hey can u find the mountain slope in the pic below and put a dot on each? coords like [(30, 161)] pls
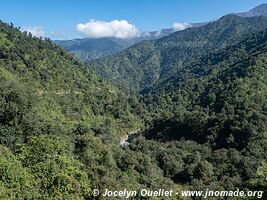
[(60, 126), (220, 98), (63, 92), (210, 119), (142, 65), (60, 123), (260, 10), (93, 48)]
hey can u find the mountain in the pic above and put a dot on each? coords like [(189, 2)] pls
[(260, 10), (216, 95), (203, 127), (60, 125), (55, 76), (218, 101), (93, 48), (144, 64)]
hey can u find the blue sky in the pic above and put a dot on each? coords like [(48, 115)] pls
[(59, 18)]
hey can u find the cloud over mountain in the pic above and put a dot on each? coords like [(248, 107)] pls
[(178, 26), (37, 31), (114, 28)]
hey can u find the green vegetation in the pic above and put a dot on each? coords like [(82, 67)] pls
[(49, 91), (214, 112), (144, 64), (60, 125), (204, 126), (92, 48)]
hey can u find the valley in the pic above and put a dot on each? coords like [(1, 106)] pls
[(184, 111)]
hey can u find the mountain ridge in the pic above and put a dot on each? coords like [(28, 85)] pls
[(142, 65), (260, 10), (92, 48), (202, 127), (207, 98)]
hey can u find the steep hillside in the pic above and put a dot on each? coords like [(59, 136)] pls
[(260, 10), (214, 112), (60, 126), (92, 48), (231, 81), (63, 91), (140, 66)]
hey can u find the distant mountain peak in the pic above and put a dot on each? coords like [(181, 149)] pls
[(260, 10)]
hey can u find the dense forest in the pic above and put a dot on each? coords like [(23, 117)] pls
[(60, 124), (142, 65), (201, 115), (218, 103), (92, 48)]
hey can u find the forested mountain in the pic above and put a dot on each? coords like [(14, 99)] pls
[(65, 91), (142, 65), (227, 82), (215, 109), (201, 121), (60, 125), (260, 10), (93, 48)]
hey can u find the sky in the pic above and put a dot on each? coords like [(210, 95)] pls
[(67, 19)]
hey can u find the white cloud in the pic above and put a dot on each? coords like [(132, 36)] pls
[(178, 26), (115, 28), (158, 33), (37, 31)]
